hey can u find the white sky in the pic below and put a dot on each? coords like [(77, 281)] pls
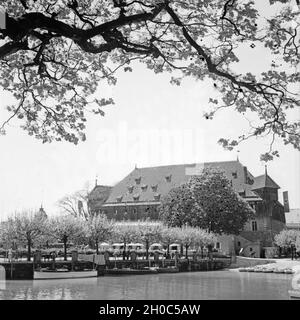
[(152, 123)]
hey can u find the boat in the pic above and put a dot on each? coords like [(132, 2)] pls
[(267, 270), (288, 271), (168, 270), (63, 274), (294, 294), (129, 271), (278, 270)]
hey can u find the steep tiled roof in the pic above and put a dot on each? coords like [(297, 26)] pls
[(264, 181), (99, 192), (168, 177)]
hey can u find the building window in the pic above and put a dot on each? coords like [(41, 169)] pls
[(239, 243), (154, 187), (234, 175), (119, 198), (168, 178), (134, 211), (138, 180), (144, 187), (136, 197), (254, 225), (218, 245), (157, 197), (250, 249)]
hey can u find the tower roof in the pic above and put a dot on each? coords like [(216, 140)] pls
[(264, 181)]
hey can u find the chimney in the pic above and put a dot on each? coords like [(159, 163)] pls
[(286, 201)]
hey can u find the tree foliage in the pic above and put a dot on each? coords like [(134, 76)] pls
[(66, 228), (206, 201), (196, 237), (54, 54), (99, 229), (287, 238), (75, 204), (149, 232), (26, 228), (125, 232)]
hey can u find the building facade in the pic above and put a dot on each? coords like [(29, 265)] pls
[(292, 218), (139, 194)]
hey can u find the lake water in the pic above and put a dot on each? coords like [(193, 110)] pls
[(223, 284)]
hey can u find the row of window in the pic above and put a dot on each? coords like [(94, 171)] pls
[(139, 179), (136, 197), (144, 188)]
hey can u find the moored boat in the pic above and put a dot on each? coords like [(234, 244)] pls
[(64, 274), (128, 271), (168, 270), (294, 294), (278, 270), (267, 270), (288, 271)]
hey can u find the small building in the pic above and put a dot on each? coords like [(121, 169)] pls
[(293, 219)]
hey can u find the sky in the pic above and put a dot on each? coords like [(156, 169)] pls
[(152, 123)]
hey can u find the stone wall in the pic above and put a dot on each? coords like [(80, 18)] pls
[(18, 270), (249, 262), (24, 270), (183, 264)]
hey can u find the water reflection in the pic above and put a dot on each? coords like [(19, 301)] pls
[(197, 285)]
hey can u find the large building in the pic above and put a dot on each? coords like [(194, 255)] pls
[(139, 194)]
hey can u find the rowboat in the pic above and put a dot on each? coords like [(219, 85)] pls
[(168, 270), (267, 270), (63, 274), (128, 271)]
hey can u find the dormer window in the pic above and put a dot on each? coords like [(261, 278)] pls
[(249, 180), (130, 189), (119, 198), (154, 187), (157, 197), (138, 180), (144, 187), (136, 197), (234, 175), (252, 205), (168, 178)]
